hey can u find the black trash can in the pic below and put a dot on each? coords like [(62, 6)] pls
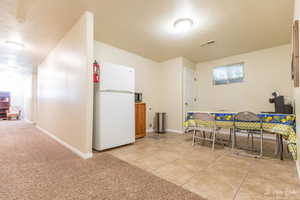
[(160, 122)]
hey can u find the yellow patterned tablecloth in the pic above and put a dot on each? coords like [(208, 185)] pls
[(282, 124)]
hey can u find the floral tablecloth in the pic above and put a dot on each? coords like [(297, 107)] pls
[(283, 124)]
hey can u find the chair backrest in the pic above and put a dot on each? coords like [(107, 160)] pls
[(247, 117), (204, 119), (14, 109)]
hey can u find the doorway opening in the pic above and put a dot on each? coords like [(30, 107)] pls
[(15, 94)]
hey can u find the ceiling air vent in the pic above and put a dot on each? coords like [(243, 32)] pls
[(209, 42)]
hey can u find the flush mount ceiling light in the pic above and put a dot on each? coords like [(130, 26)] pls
[(14, 45), (183, 25)]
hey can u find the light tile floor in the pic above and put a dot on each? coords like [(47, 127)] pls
[(218, 175)]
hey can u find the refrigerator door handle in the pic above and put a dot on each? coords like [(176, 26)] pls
[(118, 91)]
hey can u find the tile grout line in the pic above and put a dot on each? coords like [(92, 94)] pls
[(181, 185), (239, 188), (201, 170), (216, 160)]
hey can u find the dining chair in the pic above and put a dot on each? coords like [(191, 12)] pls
[(225, 122), (13, 112), (205, 123), (250, 123)]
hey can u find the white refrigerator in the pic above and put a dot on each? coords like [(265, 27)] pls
[(114, 107)]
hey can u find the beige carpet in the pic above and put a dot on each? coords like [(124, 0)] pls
[(33, 166)]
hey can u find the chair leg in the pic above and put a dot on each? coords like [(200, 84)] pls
[(261, 142), (230, 132), (233, 139), (281, 147), (193, 143), (252, 142), (214, 140), (204, 137), (248, 138), (277, 145)]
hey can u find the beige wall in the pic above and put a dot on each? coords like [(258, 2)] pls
[(297, 93), (34, 97), (65, 88), (171, 72), (147, 79), (160, 83), (30, 101), (265, 70), (28, 98), (188, 63)]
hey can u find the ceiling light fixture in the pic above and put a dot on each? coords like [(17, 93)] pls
[(183, 25), (14, 45)]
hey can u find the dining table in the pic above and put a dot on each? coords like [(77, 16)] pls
[(283, 125)]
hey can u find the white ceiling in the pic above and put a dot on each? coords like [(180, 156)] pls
[(238, 26), (146, 27), (38, 24)]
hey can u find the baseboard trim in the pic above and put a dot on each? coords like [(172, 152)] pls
[(298, 169), (175, 131), (30, 122), (71, 148), (167, 130), (150, 130)]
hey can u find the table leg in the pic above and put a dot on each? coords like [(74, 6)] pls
[(233, 139), (277, 145), (281, 147), (229, 140)]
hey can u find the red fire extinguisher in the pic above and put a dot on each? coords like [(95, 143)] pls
[(96, 69)]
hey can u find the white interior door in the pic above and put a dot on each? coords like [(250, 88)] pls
[(190, 96)]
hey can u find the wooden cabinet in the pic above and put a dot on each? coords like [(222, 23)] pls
[(140, 120)]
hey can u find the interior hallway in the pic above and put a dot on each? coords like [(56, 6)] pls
[(34, 167)]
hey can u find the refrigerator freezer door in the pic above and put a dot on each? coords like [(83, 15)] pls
[(114, 120), (116, 78)]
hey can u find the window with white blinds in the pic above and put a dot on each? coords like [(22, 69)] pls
[(233, 73)]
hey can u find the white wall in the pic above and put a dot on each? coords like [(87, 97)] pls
[(34, 97), (28, 98), (30, 103), (188, 63), (252, 94), (172, 94), (297, 94), (160, 83), (65, 88), (265, 70), (147, 73)]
